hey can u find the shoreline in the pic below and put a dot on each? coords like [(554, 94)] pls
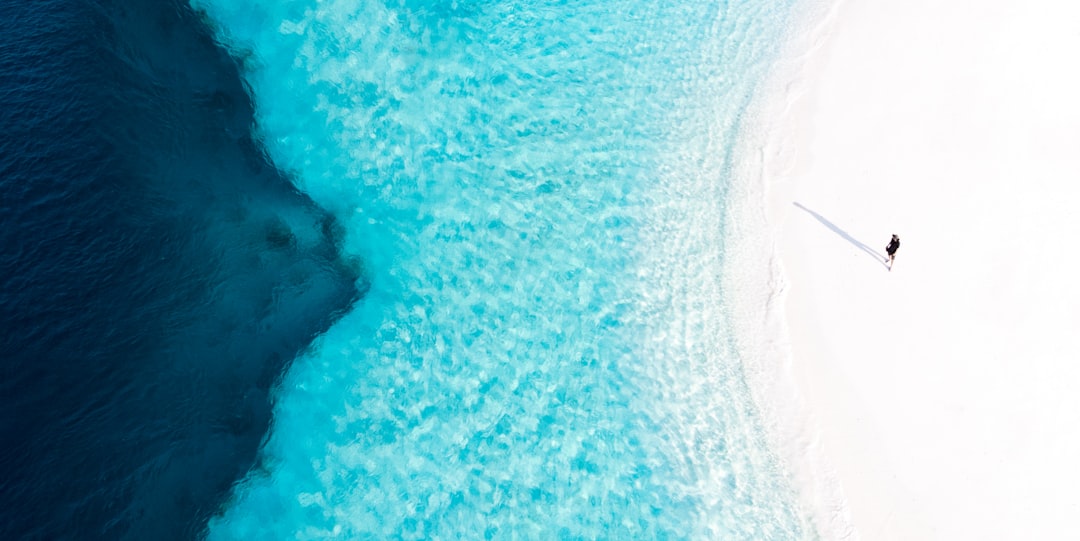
[(760, 317), (932, 401)]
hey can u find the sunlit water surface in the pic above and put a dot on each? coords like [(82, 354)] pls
[(538, 191)]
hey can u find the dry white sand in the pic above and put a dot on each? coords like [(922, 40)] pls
[(940, 400)]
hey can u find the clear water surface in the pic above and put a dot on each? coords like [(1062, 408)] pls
[(537, 189)]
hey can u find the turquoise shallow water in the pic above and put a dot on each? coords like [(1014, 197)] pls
[(537, 189)]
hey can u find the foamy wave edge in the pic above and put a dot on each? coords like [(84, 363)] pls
[(756, 276)]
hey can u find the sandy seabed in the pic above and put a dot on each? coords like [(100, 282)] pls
[(938, 399)]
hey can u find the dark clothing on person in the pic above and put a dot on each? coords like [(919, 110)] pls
[(894, 244)]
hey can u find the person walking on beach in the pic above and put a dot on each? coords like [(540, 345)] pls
[(894, 244)]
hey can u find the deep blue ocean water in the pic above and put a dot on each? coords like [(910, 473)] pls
[(311, 269), (157, 274)]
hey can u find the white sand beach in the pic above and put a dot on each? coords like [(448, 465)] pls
[(940, 400)]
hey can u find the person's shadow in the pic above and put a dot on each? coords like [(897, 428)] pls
[(876, 255)]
